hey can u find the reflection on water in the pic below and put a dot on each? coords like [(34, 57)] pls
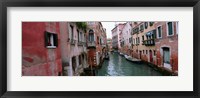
[(119, 66)]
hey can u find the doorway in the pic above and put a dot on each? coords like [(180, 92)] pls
[(166, 57), (74, 63), (140, 54), (150, 56)]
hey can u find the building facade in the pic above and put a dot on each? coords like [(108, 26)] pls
[(143, 42), (96, 43), (155, 43), (167, 45), (73, 48), (41, 53), (126, 38), (116, 37)]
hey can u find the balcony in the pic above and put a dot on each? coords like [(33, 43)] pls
[(135, 31), (73, 42), (91, 44), (80, 43), (149, 42)]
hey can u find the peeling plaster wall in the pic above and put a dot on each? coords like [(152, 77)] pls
[(95, 54), (37, 60), (69, 50)]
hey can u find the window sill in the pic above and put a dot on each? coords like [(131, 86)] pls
[(170, 35), (51, 47)]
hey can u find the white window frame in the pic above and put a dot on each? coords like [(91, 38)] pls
[(80, 37), (158, 32), (168, 30), (71, 30), (51, 41)]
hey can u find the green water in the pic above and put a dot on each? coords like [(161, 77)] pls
[(119, 66)]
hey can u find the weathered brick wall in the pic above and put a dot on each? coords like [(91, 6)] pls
[(168, 41)]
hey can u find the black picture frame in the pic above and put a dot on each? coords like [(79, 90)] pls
[(100, 3)]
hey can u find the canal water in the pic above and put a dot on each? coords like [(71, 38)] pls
[(119, 66)]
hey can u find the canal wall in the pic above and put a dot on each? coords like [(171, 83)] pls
[(92, 70), (164, 71)]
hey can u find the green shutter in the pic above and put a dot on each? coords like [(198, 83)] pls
[(154, 34), (159, 31), (170, 28), (55, 38), (46, 38)]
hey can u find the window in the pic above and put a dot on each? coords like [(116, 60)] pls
[(91, 35), (80, 60), (141, 27), (170, 28), (73, 63), (159, 30), (100, 41), (138, 39), (51, 40), (71, 31), (146, 52), (143, 51), (81, 37), (130, 40), (146, 25), (136, 30), (151, 23), (78, 35), (143, 38)]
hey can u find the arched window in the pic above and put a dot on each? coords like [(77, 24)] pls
[(91, 35), (91, 31)]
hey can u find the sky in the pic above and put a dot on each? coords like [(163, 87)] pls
[(109, 26)]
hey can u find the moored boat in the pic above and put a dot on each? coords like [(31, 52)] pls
[(107, 56), (121, 54), (129, 58)]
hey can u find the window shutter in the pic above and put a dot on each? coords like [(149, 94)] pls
[(154, 33), (170, 28), (55, 39), (46, 38)]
